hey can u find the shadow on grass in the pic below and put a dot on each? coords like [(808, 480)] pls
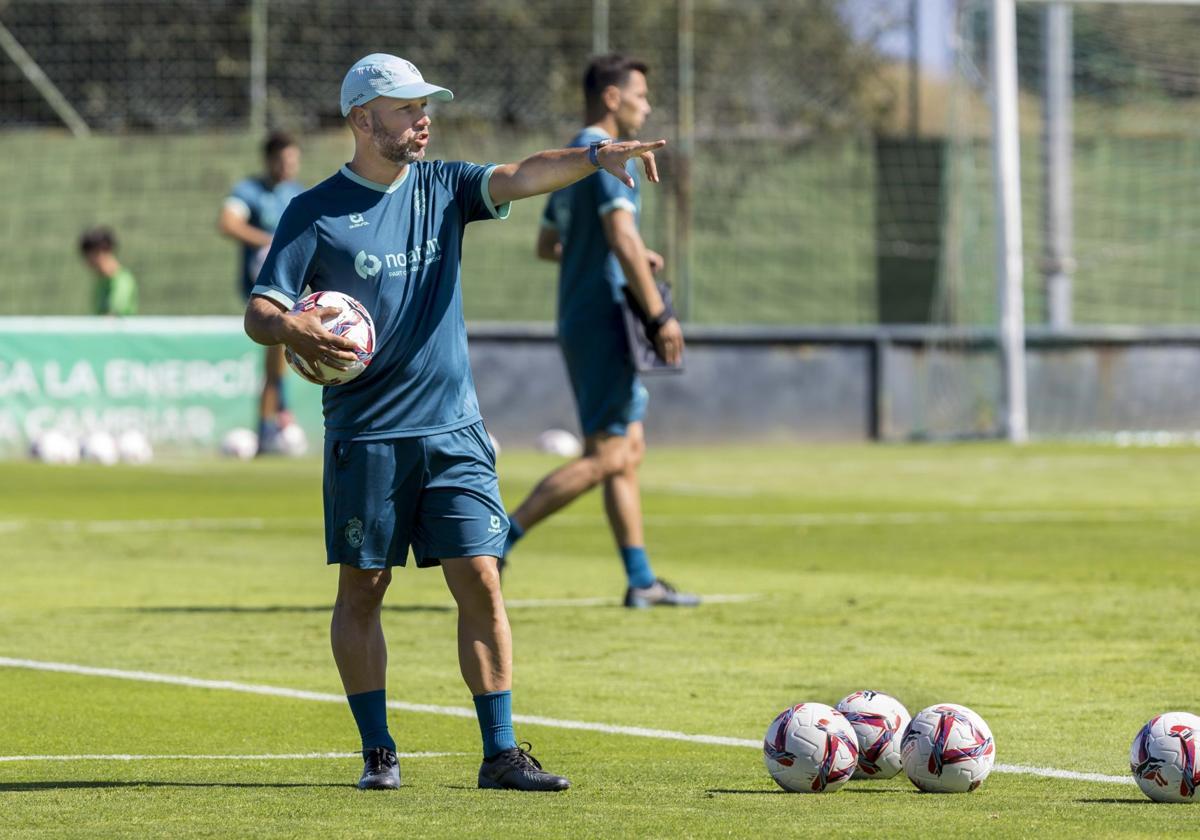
[(1112, 800), (11, 787), (282, 608), (894, 791)]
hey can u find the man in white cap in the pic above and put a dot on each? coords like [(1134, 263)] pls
[(407, 460)]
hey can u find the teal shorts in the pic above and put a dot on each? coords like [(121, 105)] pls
[(609, 395), (438, 494)]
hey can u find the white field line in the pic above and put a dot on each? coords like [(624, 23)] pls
[(455, 711), (1054, 773), (525, 603), (733, 520), (272, 757)]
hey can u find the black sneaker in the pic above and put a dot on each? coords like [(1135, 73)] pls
[(659, 594), (516, 769), (381, 770)]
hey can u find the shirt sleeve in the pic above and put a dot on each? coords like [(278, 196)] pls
[(242, 199), (290, 262), (612, 195), (469, 181), (122, 294)]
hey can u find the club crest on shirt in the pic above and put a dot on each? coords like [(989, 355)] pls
[(354, 533)]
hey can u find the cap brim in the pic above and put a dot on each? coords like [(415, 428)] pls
[(419, 90)]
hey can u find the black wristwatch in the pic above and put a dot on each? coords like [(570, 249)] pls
[(593, 148), (658, 322)]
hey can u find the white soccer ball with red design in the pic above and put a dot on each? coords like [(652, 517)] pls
[(878, 721), (1163, 758), (352, 322), (948, 749), (810, 748)]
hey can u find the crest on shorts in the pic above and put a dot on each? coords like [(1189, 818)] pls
[(354, 533)]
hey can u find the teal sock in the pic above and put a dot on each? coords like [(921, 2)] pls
[(370, 713), (637, 566), (494, 711), (515, 532)]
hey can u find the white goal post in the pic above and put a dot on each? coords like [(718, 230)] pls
[(1057, 154)]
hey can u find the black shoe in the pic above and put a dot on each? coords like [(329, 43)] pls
[(516, 769), (381, 770), (659, 594)]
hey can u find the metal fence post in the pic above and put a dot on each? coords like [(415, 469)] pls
[(684, 153), (258, 67), (599, 27)]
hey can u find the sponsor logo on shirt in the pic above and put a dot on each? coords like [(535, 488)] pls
[(367, 265), (399, 263), (406, 262), (494, 526), (357, 221)]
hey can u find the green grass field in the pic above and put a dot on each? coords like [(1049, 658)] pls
[(1051, 589)]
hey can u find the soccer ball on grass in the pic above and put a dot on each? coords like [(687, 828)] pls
[(879, 721), (947, 749), (810, 748), (1163, 757)]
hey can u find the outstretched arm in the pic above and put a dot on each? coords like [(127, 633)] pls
[(554, 169)]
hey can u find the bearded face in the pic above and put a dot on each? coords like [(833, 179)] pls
[(395, 149)]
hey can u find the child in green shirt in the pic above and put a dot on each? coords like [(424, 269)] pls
[(116, 290)]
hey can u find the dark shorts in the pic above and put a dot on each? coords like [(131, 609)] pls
[(438, 494), (609, 395)]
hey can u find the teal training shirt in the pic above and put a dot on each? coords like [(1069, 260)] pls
[(590, 278), (263, 204), (398, 250)]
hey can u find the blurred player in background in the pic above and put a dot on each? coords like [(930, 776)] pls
[(116, 291), (407, 460), (591, 229), (249, 216)]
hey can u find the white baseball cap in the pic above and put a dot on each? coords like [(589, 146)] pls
[(380, 74)]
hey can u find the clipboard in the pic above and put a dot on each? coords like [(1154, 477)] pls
[(641, 349)]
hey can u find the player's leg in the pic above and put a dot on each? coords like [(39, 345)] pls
[(600, 382), (359, 649), (270, 401), (485, 658), (364, 537), (484, 643), (604, 454), (623, 505), (622, 495), (461, 524)]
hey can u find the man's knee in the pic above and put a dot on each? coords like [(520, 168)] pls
[(475, 583), (637, 452), (362, 590), (610, 456)]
